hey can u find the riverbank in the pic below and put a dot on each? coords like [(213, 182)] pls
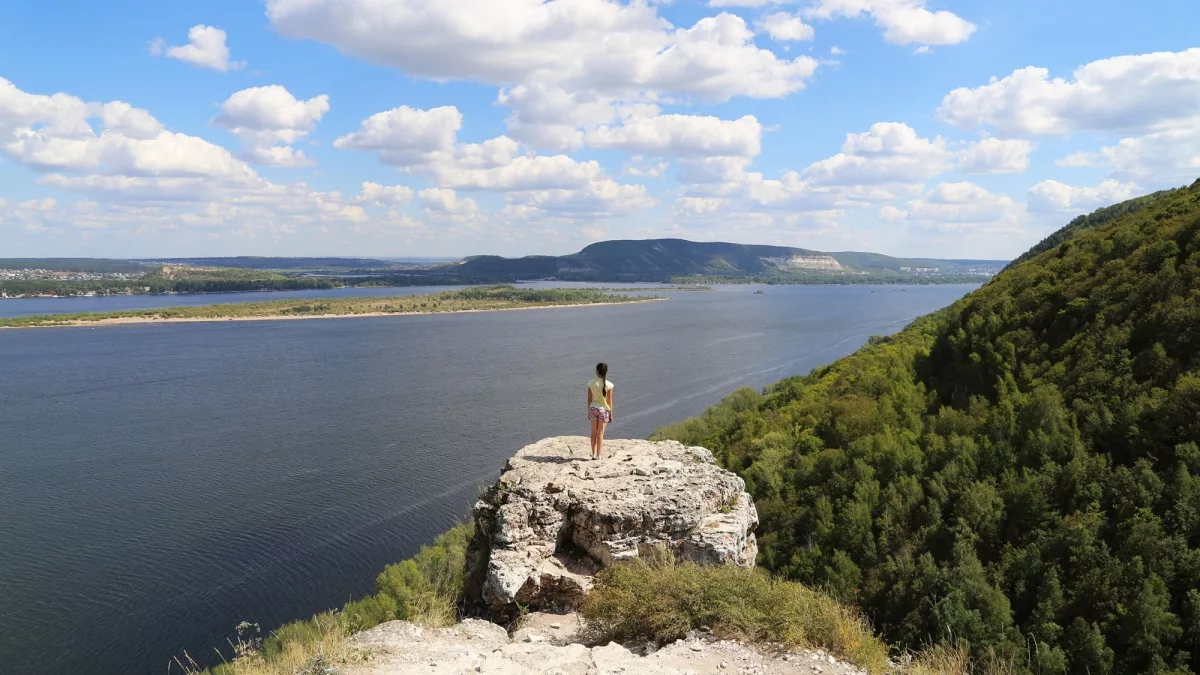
[(485, 299)]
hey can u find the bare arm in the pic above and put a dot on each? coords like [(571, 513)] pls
[(608, 396), (589, 397)]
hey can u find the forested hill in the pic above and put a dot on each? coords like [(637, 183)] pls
[(682, 260), (1019, 470)]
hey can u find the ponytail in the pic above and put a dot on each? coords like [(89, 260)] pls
[(602, 371)]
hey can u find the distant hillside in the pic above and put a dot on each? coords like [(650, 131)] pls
[(678, 259), (94, 265)]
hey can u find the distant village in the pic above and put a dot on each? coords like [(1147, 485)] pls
[(38, 274)]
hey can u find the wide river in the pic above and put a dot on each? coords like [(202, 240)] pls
[(160, 483)]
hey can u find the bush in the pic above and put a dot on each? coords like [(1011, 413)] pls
[(661, 601)]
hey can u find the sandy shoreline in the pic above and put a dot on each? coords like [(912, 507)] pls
[(131, 320)]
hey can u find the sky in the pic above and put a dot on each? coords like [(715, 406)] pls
[(939, 128)]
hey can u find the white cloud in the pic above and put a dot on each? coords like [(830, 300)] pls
[(1145, 92), (1157, 159), (1079, 159), (541, 172), (964, 206), (890, 152), (385, 195), (139, 177), (903, 21), (887, 162), (743, 3), (1051, 195), (56, 133), (682, 136), (836, 51), (784, 27), (601, 198), (892, 213), (447, 202), (424, 142), (268, 120), (602, 46), (206, 48), (405, 136), (563, 66), (993, 155), (638, 166)]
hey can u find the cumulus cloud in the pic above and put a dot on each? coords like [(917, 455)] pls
[(784, 27), (682, 136), (1149, 101), (205, 48), (886, 162), (964, 206), (446, 203), (268, 120), (385, 195), (1079, 159), (407, 137), (56, 133), (1051, 195), (1159, 158), (638, 166), (890, 152), (903, 22), (994, 155), (1137, 93), (425, 142), (138, 176), (563, 66)]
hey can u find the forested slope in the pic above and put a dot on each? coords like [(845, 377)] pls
[(1019, 470)]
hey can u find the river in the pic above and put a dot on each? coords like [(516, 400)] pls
[(160, 483)]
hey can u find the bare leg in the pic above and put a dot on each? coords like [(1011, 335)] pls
[(600, 426), (595, 436)]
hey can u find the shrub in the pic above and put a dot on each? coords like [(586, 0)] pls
[(661, 600)]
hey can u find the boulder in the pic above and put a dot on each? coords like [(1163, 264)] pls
[(556, 517)]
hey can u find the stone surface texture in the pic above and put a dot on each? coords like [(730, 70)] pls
[(473, 646), (556, 517)]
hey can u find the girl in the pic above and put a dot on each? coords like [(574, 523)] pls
[(600, 392)]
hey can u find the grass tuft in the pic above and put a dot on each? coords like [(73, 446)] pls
[(661, 600)]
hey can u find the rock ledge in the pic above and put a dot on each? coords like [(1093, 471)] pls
[(556, 517)]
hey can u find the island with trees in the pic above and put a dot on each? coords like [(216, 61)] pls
[(475, 299)]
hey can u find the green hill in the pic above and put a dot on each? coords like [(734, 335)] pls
[(679, 260), (1019, 471)]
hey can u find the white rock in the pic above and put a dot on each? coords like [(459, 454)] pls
[(544, 531)]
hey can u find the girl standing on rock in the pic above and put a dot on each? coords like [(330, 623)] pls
[(600, 396)]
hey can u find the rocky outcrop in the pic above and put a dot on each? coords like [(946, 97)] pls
[(539, 648), (556, 517)]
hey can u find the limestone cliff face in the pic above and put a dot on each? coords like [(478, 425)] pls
[(556, 517)]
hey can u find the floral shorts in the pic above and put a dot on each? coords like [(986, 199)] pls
[(600, 414)]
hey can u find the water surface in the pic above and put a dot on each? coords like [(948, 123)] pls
[(160, 483)]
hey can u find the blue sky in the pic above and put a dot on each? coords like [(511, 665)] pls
[(453, 127)]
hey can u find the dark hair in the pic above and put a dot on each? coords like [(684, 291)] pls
[(602, 371)]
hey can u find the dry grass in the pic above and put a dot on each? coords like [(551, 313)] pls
[(662, 600)]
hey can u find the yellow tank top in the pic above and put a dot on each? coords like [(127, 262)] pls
[(599, 400)]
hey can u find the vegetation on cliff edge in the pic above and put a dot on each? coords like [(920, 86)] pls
[(424, 589)]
